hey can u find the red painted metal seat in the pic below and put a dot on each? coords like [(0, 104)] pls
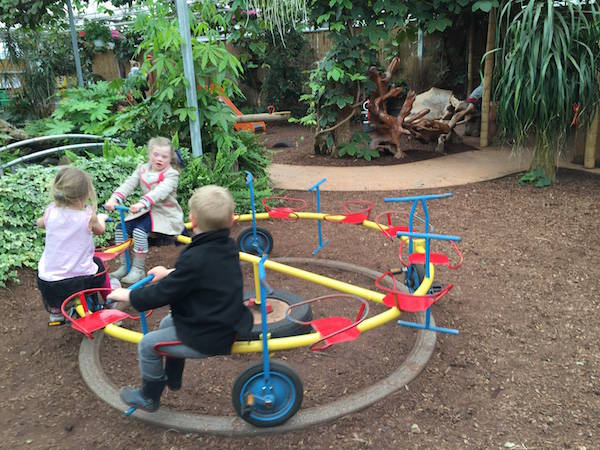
[(335, 329), (405, 301), (388, 229), (355, 212), (111, 252), (158, 347), (287, 209), (93, 321), (434, 258)]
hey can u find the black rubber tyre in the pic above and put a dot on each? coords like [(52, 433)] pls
[(287, 390), (246, 243), (414, 276), (284, 327)]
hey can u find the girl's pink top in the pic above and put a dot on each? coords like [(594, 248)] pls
[(69, 249)]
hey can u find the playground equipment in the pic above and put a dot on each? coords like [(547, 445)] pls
[(269, 393)]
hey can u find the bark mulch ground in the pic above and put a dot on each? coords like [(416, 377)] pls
[(523, 373)]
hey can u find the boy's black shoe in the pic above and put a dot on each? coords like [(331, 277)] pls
[(174, 372), (146, 398)]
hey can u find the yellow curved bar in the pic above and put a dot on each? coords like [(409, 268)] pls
[(123, 334), (290, 342), (315, 278), (118, 248)]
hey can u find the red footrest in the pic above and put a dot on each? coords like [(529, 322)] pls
[(329, 328)]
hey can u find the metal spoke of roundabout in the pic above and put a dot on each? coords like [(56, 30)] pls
[(97, 380)]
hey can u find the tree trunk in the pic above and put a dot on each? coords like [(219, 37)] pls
[(15, 133), (470, 58), (342, 134), (589, 159), (487, 79)]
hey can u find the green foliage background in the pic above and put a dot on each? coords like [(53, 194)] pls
[(24, 194)]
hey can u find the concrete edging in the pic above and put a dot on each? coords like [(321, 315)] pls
[(96, 379)]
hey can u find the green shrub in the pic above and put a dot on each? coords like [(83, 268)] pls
[(24, 196), (218, 168)]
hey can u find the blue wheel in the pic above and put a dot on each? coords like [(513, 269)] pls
[(263, 244), (267, 408)]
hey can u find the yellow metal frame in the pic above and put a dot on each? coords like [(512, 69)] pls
[(305, 340)]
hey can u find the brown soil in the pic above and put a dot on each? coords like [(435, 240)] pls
[(523, 373), (293, 144)]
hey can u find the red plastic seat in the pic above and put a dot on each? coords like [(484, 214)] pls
[(405, 301), (93, 321)]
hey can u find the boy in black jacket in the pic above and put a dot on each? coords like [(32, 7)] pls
[(205, 293)]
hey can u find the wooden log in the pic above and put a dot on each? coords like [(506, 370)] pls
[(279, 116)]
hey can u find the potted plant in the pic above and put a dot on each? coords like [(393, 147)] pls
[(97, 33)]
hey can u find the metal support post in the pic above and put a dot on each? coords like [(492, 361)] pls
[(188, 70)]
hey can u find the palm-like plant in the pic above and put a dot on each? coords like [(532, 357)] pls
[(547, 62)]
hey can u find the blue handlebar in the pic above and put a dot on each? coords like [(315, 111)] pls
[(139, 284), (439, 237), (122, 208), (418, 197), (142, 282), (317, 184)]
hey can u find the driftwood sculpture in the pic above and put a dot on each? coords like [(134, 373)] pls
[(388, 128)]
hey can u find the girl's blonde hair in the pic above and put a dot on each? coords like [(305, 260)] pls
[(160, 141), (73, 188), (212, 207)]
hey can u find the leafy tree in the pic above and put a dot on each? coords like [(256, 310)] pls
[(547, 61), (31, 13)]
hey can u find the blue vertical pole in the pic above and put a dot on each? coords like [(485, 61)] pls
[(317, 191), (124, 233), (263, 324)]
